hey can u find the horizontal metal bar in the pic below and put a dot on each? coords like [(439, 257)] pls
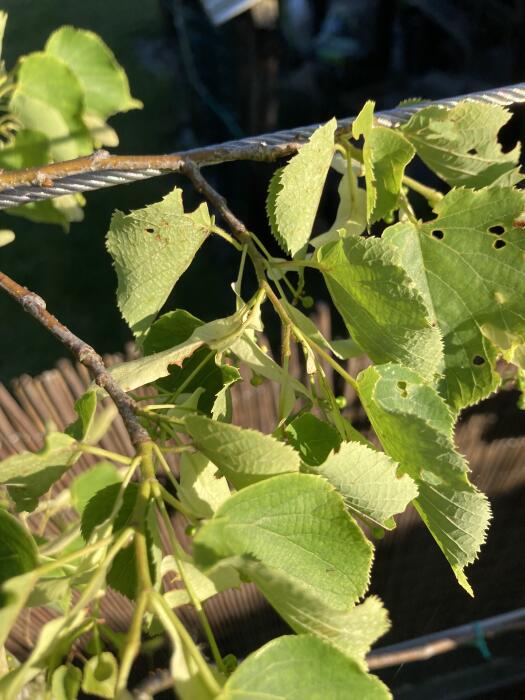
[(250, 148)]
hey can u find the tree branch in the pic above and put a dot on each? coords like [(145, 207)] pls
[(85, 354)]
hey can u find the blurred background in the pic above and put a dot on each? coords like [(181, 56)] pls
[(214, 70)]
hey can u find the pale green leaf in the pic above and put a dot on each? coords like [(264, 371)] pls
[(49, 98), (18, 552), (65, 682), (460, 144), (368, 482), (468, 266), (296, 189), (202, 585), (100, 675), (383, 311), (243, 456), (103, 80), (353, 631), (29, 475), (85, 408), (415, 426), (6, 237), (386, 153), (313, 439), (350, 219), (295, 523), (151, 248), (296, 668), (201, 488)]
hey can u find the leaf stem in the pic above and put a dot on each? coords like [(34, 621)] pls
[(432, 196), (231, 240), (172, 622), (132, 643), (99, 452), (177, 552)]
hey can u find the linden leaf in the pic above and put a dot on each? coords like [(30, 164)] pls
[(460, 144), (295, 190), (383, 311), (468, 266), (151, 248), (415, 427)]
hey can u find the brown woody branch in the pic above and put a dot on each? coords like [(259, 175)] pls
[(85, 354), (45, 175)]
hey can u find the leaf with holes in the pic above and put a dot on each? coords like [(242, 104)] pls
[(151, 248), (295, 190), (415, 426), (296, 523), (368, 482), (383, 311), (468, 266), (386, 153), (243, 456), (460, 144), (291, 668)]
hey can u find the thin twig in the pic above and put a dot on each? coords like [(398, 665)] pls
[(34, 305)]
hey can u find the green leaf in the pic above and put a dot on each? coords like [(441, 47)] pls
[(468, 266), (65, 682), (101, 505), (244, 456), (460, 144), (49, 98), (295, 190), (18, 552), (151, 248), (29, 475), (295, 668), (100, 675), (14, 594), (199, 370), (351, 218), (203, 586), (353, 631), (85, 408), (383, 311), (312, 438), (218, 335), (30, 149), (103, 80), (201, 488), (386, 153), (368, 482), (85, 486), (295, 523), (415, 427)]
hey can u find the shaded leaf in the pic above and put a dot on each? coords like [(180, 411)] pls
[(65, 682), (313, 439), (100, 675), (18, 552), (90, 482), (29, 475)]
